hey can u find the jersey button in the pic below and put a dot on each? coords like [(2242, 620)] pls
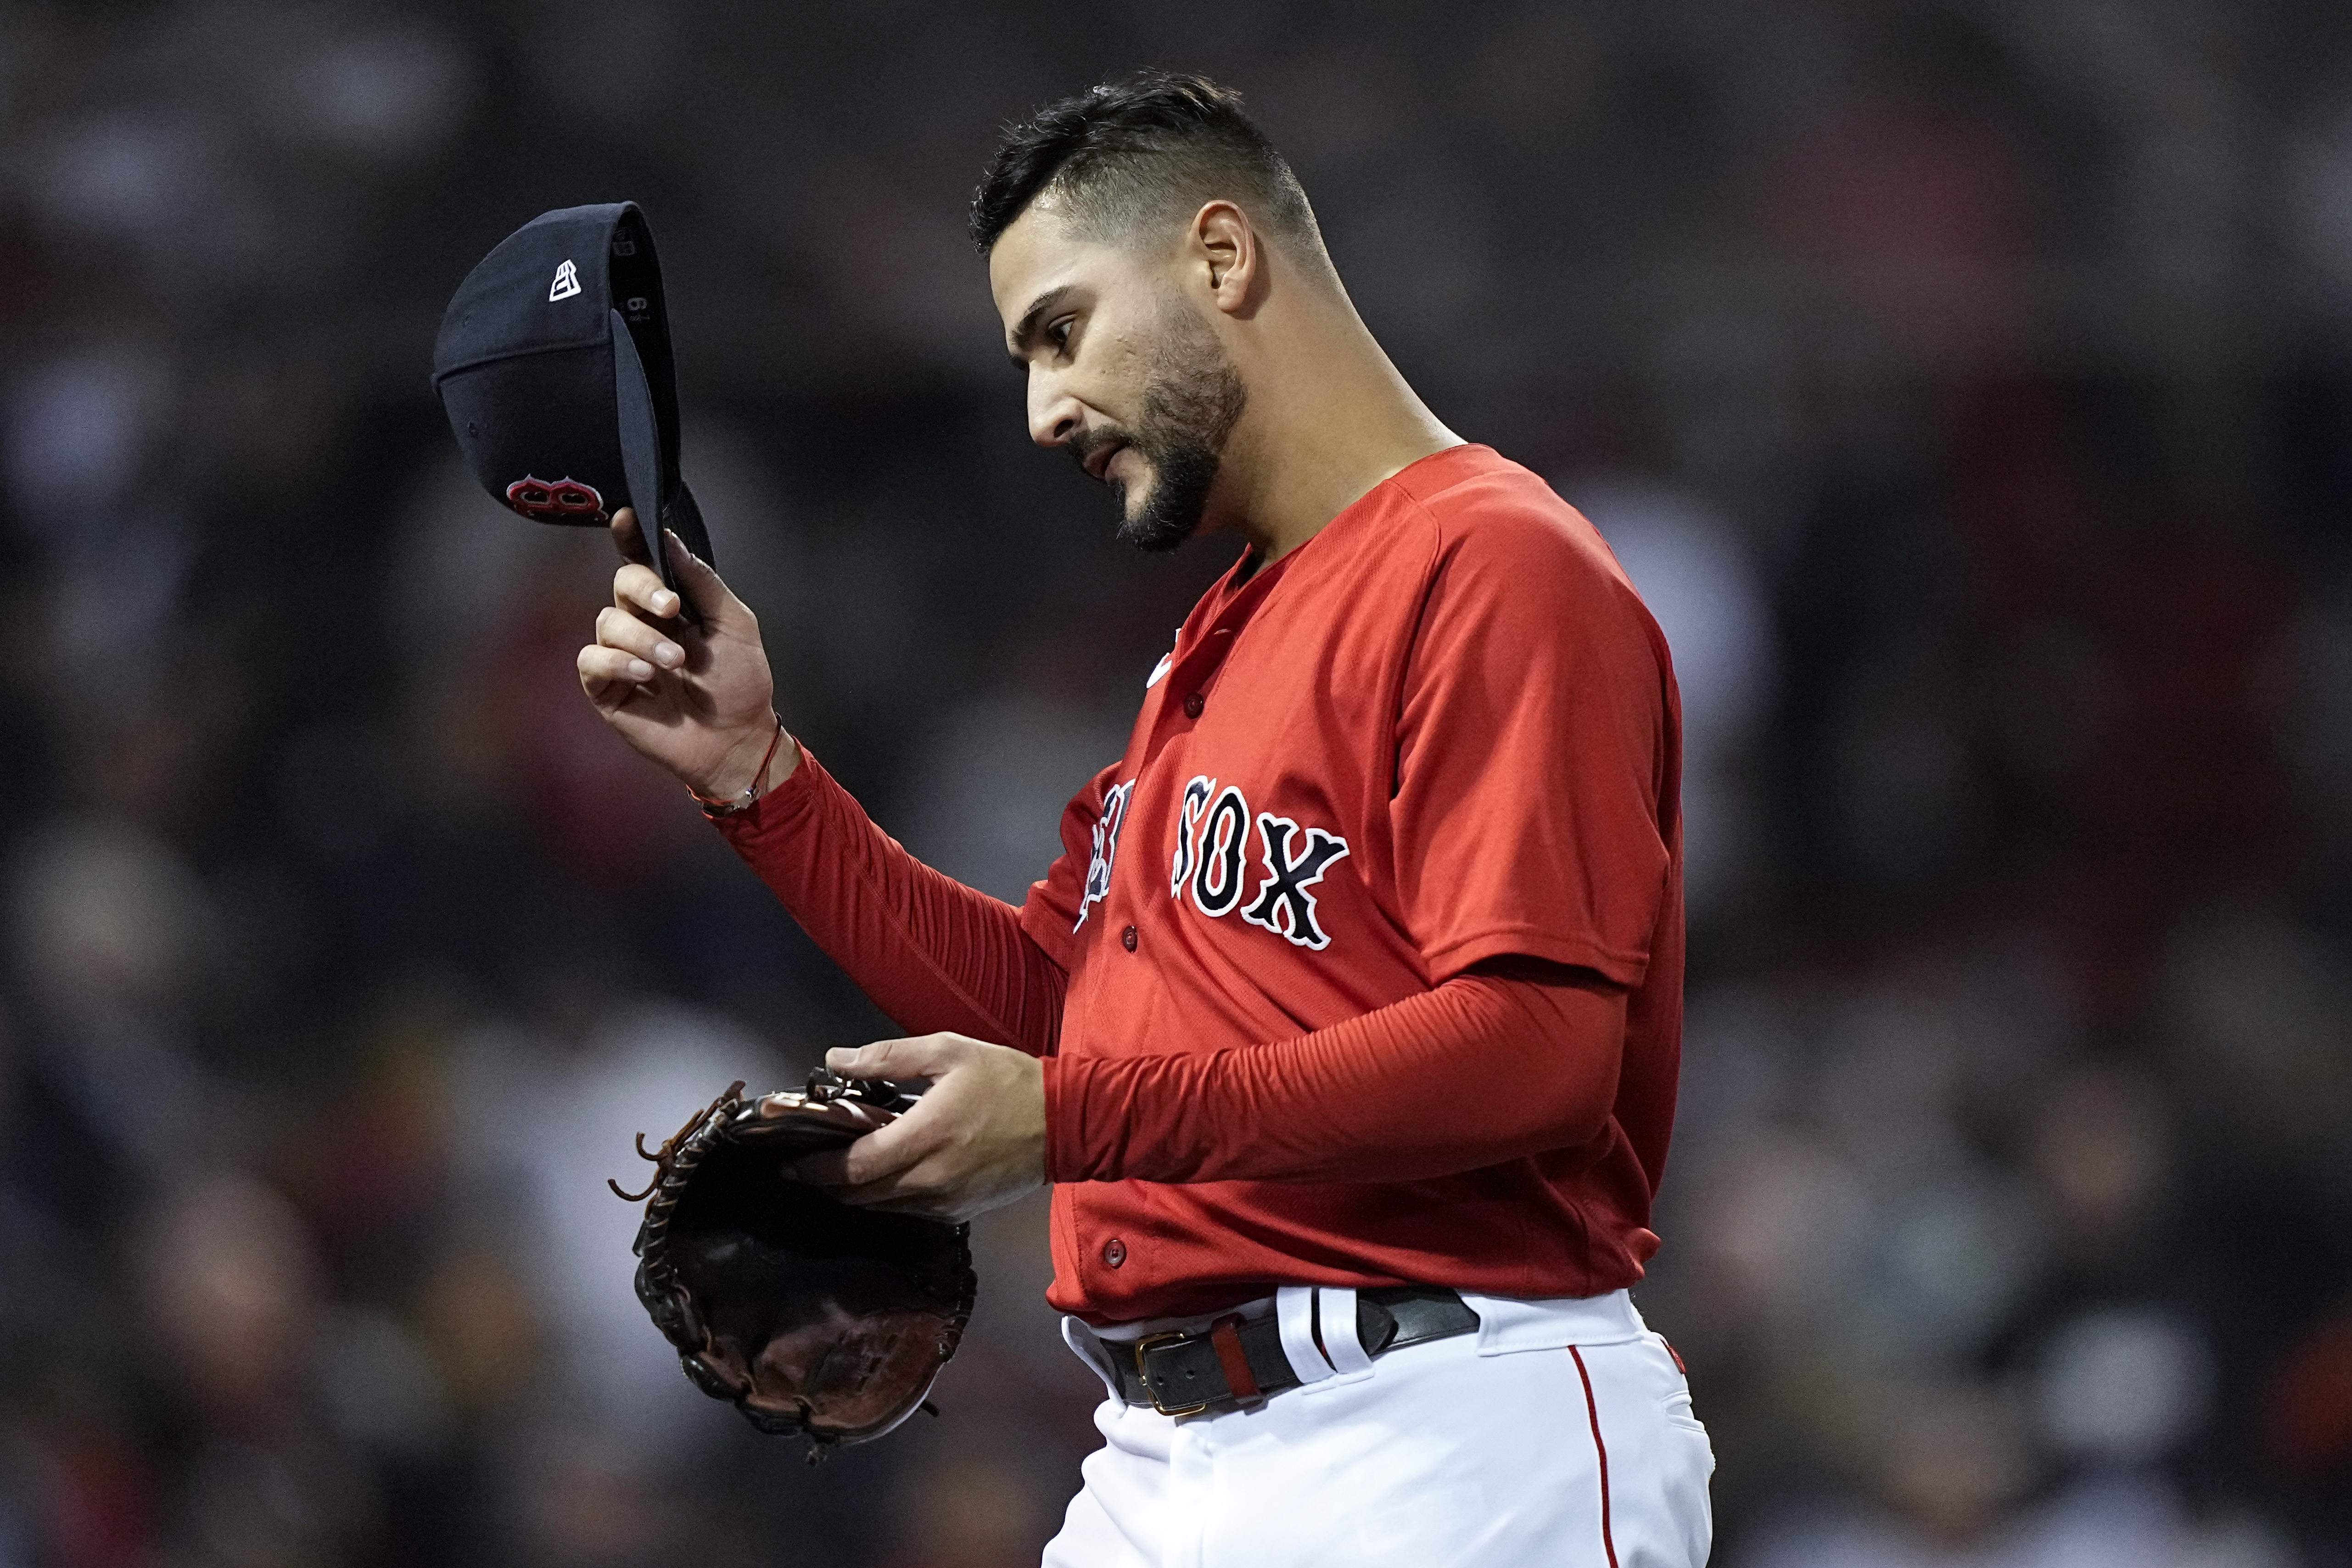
[(1114, 1252), (1193, 704), (1127, 939)]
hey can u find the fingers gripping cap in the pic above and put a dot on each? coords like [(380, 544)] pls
[(553, 364)]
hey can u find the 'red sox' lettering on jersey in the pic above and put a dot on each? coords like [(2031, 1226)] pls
[(1188, 831), (1223, 838), (1284, 905), (1105, 849), (1209, 858)]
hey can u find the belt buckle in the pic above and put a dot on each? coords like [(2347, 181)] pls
[(1143, 1375)]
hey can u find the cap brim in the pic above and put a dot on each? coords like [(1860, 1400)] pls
[(640, 447), (683, 518)]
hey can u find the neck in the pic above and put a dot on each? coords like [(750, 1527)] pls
[(1328, 418)]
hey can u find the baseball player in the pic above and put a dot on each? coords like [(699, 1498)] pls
[(1346, 1027)]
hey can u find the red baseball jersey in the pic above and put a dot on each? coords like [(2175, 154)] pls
[(1443, 730)]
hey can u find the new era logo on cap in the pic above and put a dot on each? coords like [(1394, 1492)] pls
[(566, 284)]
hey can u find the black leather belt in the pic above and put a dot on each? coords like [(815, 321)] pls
[(1236, 1364)]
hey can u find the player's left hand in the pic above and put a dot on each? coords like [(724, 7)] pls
[(975, 1140)]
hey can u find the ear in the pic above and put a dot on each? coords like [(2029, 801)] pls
[(1226, 249)]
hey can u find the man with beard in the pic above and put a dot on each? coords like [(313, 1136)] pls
[(1346, 1026)]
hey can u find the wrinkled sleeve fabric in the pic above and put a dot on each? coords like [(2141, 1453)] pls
[(1486, 1068), (1533, 748), (931, 953)]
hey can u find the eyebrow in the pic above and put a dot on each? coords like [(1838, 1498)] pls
[(1026, 330)]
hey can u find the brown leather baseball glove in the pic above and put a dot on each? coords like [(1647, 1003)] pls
[(812, 1317)]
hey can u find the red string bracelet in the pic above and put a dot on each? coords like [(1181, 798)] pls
[(716, 808)]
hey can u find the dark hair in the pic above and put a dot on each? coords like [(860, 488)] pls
[(1154, 147)]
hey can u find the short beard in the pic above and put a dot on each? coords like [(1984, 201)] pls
[(1192, 402)]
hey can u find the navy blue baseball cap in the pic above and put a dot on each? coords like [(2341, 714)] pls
[(553, 364)]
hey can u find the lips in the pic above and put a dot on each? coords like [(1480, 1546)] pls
[(1097, 462)]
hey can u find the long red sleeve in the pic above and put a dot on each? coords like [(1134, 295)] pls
[(932, 953), (1486, 1068), (1503, 1062)]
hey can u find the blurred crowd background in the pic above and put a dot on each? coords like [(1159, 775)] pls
[(1968, 386)]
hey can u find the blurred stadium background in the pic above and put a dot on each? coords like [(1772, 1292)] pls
[(1968, 386)]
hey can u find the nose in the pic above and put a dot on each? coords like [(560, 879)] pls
[(1054, 416)]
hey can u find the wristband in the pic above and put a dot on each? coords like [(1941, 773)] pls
[(714, 807)]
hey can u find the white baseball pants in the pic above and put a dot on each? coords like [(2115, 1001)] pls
[(1560, 1434)]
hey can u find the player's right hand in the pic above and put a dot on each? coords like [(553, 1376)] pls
[(699, 700)]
